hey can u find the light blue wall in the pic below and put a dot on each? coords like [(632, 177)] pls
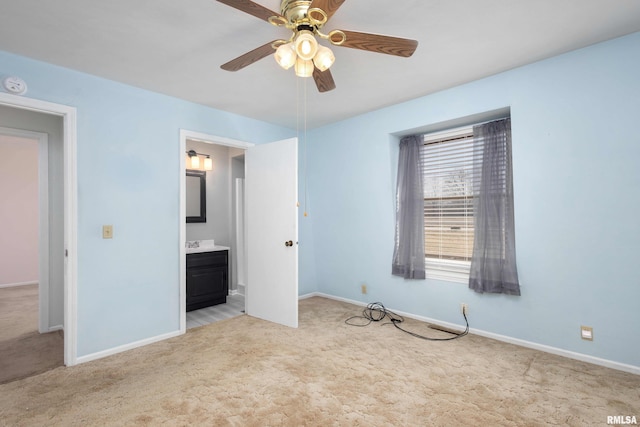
[(576, 154), (576, 183), (128, 176)]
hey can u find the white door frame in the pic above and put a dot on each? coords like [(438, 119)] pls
[(43, 220), (69, 119), (211, 139)]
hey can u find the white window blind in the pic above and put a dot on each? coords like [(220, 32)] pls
[(447, 162)]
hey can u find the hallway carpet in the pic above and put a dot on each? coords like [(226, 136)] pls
[(23, 350)]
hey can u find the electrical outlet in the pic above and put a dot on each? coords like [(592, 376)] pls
[(586, 333), (363, 288), (464, 308)]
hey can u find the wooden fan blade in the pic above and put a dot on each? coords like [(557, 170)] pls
[(251, 8), (327, 6), (381, 44), (324, 80), (249, 58)]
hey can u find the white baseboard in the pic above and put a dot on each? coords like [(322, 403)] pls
[(13, 285), (536, 346), (240, 288), (120, 349), (55, 328), (315, 294)]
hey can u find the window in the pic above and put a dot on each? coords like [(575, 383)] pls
[(447, 165), (454, 192)]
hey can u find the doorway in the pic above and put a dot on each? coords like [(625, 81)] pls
[(223, 231), (214, 214), (24, 189), (30, 343), (26, 113), (271, 222)]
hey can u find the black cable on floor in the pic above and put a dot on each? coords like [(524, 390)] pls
[(376, 312)]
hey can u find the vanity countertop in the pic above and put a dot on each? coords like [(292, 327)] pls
[(206, 249), (205, 246)]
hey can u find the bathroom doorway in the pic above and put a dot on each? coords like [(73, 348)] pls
[(271, 227), (218, 225)]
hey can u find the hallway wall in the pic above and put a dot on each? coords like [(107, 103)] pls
[(18, 210)]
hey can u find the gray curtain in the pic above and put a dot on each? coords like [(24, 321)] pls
[(493, 263), (408, 254)]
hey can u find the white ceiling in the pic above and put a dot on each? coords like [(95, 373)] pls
[(176, 47)]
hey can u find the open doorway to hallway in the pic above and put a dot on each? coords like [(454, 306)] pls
[(23, 113), (30, 343)]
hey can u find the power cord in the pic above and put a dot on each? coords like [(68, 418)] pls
[(376, 312)]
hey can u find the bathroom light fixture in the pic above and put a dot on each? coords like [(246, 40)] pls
[(208, 163), (194, 160)]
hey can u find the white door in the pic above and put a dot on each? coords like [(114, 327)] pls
[(271, 187)]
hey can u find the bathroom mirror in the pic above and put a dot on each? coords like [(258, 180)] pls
[(196, 196)]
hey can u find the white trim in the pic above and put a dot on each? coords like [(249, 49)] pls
[(43, 232), (241, 289), (448, 133), (213, 139), (200, 137), (561, 352), (54, 328), (126, 347), (522, 343), (13, 285), (318, 294), (69, 119), (183, 235)]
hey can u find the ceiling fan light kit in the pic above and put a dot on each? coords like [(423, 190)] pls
[(304, 67), (324, 58), (305, 18), (285, 55), (306, 45)]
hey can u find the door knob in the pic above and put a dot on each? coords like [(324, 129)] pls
[(288, 243)]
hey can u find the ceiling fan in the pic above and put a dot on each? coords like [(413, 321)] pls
[(305, 18)]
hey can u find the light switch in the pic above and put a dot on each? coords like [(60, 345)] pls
[(107, 231), (586, 333)]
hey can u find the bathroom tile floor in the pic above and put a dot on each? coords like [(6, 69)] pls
[(234, 307)]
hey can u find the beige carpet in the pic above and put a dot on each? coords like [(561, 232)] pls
[(23, 350), (248, 372)]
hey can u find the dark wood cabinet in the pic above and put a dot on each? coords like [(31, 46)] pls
[(207, 279)]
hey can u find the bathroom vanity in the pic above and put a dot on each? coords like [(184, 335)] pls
[(207, 276)]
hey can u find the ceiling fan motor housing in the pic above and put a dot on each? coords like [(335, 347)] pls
[(295, 11)]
